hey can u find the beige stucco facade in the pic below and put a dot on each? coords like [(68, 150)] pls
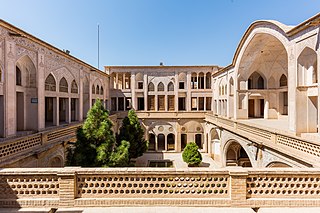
[(268, 97)]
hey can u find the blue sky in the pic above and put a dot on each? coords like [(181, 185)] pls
[(145, 32)]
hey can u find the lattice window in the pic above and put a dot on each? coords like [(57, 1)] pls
[(63, 85), (50, 83), (160, 87), (151, 87), (170, 87)]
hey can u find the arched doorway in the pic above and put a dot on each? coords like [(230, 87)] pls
[(161, 142), (152, 142), (237, 156), (26, 95), (307, 106), (198, 140), (171, 142)]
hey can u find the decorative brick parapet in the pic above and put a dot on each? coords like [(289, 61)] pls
[(87, 187)]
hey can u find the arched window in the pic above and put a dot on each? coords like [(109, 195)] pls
[(170, 141), (63, 85), (74, 87), (93, 89), (160, 86), (231, 86), (50, 83), (255, 81), (283, 81), (208, 80), (151, 87), (170, 87), (98, 90), (101, 90), (18, 76), (152, 142)]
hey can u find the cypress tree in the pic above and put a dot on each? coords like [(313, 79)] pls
[(132, 132)]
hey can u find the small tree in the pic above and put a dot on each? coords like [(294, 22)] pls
[(95, 144), (191, 154), (132, 132)]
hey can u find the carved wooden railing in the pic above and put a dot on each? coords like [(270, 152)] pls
[(19, 146), (291, 145), (87, 187)]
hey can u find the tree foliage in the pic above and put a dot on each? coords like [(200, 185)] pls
[(95, 146), (191, 154), (132, 132)]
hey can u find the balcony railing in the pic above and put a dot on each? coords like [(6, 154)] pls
[(290, 145), (88, 187), (20, 147)]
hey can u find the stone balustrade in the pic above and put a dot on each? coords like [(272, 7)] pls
[(13, 148), (308, 151), (88, 187)]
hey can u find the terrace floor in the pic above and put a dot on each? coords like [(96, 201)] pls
[(178, 163)]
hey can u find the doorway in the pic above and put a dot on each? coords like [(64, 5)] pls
[(20, 111)]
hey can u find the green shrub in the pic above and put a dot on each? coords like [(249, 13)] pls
[(191, 154)]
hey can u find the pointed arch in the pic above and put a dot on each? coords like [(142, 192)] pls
[(74, 87), (18, 76), (28, 73), (170, 87), (101, 90), (63, 85), (50, 83), (307, 67), (256, 81), (231, 86), (151, 87), (160, 86), (93, 89), (283, 81), (208, 80)]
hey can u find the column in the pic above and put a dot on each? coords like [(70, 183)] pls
[(41, 90), (188, 87), (117, 81), (166, 102), (145, 91), (123, 80), (10, 122), (156, 102), (68, 110), (56, 114), (165, 143), (176, 91), (156, 142), (292, 68), (133, 89), (80, 102)]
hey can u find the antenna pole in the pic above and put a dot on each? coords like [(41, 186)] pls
[(98, 48)]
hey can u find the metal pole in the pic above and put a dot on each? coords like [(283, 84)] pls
[(98, 49)]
